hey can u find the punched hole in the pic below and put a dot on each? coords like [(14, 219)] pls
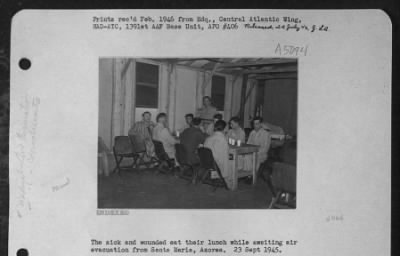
[(24, 63), (22, 252)]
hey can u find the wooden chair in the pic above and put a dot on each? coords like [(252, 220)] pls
[(184, 164), (163, 159), (283, 177), (283, 180), (208, 165), (123, 149)]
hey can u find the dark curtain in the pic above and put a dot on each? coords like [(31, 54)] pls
[(280, 104)]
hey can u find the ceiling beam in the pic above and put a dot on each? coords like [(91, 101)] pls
[(263, 71), (261, 77), (263, 66), (288, 73), (259, 63), (189, 59), (215, 60), (207, 59), (277, 78)]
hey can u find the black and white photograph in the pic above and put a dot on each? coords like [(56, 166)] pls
[(197, 133)]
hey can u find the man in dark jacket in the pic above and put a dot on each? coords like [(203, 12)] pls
[(191, 138)]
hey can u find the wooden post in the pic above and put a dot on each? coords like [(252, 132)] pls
[(203, 87), (112, 131), (233, 84), (117, 113), (169, 81), (133, 93), (208, 80), (122, 98), (174, 101), (243, 99), (171, 99), (259, 103), (249, 92), (198, 92)]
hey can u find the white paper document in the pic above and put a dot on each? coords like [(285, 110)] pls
[(200, 132)]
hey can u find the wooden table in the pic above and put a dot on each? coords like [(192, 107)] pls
[(235, 151)]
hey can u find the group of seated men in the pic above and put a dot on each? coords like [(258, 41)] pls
[(206, 129)]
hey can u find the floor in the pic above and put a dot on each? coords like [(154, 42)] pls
[(144, 189)]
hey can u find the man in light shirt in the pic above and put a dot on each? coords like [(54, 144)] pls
[(206, 114), (236, 132), (144, 128), (208, 111), (261, 138), (276, 132), (218, 144), (161, 133)]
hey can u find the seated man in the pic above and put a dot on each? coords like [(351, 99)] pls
[(209, 127), (236, 132), (161, 133), (218, 144), (191, 138), (259, 137), (276, 132), (144, 128), (189, 122)]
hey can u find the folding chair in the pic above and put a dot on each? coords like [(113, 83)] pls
[(163, 158), (123, 149), (208, 165), (284, 182), (139, 148), (184, 164)]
